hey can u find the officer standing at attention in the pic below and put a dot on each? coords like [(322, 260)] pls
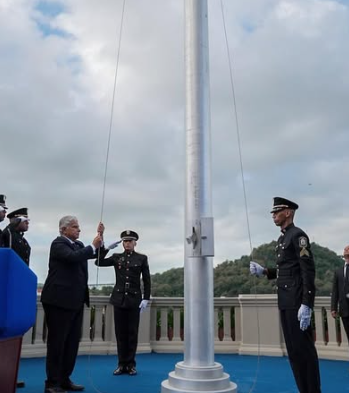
[(340, 292), (3, 208), (295, 278), (127, 298), (13, 234)]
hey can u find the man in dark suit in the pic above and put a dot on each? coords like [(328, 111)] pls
[(127, 298), (295, 279), (13, 234), (340, 292), (63, 296)]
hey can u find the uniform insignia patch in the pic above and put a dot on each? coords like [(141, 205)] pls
[(303, 244)]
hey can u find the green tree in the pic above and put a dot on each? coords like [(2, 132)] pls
[(232, 278)]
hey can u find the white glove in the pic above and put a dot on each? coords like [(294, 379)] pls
[(143, 305), (256, 269), (304, 316), (113, 245)]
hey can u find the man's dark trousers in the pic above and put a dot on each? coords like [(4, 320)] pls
[(64, 332)]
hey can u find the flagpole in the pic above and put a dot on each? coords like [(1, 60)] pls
[(198, 372)]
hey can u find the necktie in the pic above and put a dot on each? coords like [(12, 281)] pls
[(75, 246), (347, 274)]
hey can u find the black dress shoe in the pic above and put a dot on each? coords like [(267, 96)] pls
[(132, 371), (20, 384), (71, 386), (120, 370), (54, 389)]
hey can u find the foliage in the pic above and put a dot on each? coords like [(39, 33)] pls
[(232, 278), (103, 291)]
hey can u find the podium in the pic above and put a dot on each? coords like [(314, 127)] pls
[(18, 286)]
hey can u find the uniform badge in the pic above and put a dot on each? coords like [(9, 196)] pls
[(303, 244)]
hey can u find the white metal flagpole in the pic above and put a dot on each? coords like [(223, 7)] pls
[(198, 372)]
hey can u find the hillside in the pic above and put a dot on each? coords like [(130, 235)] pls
[(232, 278)]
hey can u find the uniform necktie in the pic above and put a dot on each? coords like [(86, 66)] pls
[(347, 273)]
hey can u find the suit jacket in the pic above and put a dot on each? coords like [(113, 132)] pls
[(129, 267), (66, 283), (339, 291), (295, 269)]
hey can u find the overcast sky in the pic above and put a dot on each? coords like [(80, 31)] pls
[(290, 64)]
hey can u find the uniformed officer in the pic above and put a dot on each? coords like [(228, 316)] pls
[(127, 298), (13, 234), (295, 279), (12, 237), (3, 209)]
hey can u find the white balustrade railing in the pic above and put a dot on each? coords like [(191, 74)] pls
[(248, 324)]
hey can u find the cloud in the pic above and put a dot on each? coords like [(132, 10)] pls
[(289, 65)]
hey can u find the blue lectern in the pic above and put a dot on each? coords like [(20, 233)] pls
[(18, 286)]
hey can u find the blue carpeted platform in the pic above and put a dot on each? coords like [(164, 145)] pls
[(95, 372)]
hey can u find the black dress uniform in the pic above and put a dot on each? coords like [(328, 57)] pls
[(12, 238), (295, 279), (126, 298)]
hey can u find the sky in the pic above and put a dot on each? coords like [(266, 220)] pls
[(289, 60)]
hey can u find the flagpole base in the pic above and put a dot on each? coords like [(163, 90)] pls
[(210, 379)]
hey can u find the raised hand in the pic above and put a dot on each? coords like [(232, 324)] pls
[(97, 241)]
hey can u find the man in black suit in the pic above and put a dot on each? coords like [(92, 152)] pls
[(127, 298), (63, 296), (340, 292), (295, 279)]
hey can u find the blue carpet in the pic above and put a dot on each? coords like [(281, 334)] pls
[(95, 372)]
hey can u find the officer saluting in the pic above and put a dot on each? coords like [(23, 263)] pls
[(127, 298), (13, 234), (295, 274), (12, 237), (3, 208)]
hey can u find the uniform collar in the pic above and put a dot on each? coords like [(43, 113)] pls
[(287, 228)]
